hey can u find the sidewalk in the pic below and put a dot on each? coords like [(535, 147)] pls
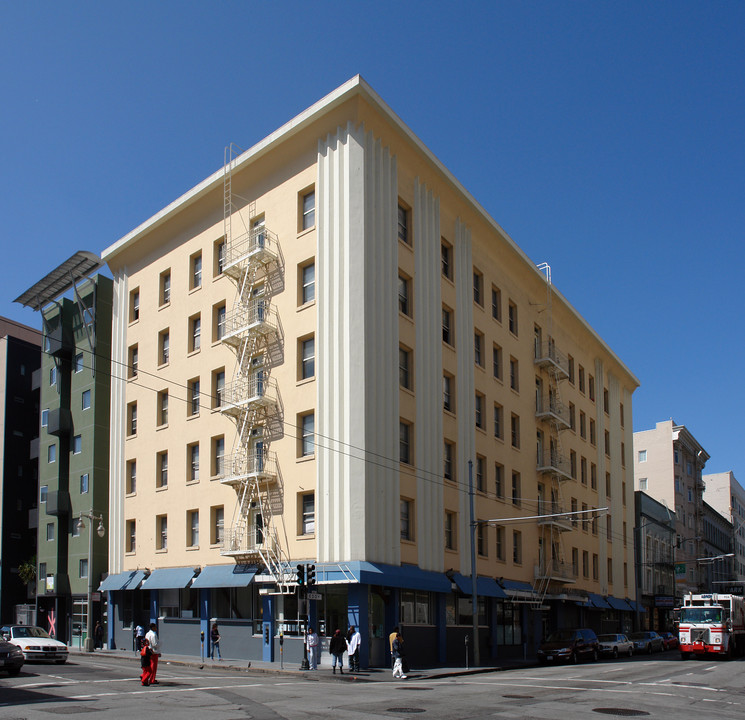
[(256, 667)]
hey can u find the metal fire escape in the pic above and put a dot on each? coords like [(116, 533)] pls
[(552, 465), (253, 260)]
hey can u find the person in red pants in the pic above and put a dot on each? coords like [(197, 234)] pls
[(146, 661), (154, 642)]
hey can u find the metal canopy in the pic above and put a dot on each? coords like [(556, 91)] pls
[(60, 280)]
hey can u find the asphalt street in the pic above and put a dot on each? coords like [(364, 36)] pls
[(660, 686)]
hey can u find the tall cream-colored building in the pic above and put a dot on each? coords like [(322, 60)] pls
[(668, 462), (726, 495), (315, 344)]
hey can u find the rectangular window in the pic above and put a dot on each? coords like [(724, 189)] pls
[(84, 483), (163, 407), (134, 305), (573, 464), (498, 421), (642, 456), (192, 520), (161, 532), (480, 470), (134, 356), (131, 536), (132, 419), (131, 470), (585, 564), (500, 543), (448, 392), (50, 532), (447, 260), (404, 368), (479, 405), (593, 439), (43, 491), (450, 530), (478, 349), (593, 476), (308, 283), (309, 514), (193, 455), (218, 456), (446, 326), (621, 414), (496, 304), (512, 317), (595, 564), (308, 210), (515, 431), (517, 547), (403, 295), (86, 400), (478, 288), (516, 488), (497, 362), (575, 562), (218, 388), (45, 417), (193, 391), (307, 438), (407, 519), (482, 546), (403, 225), (165, 287), (195, 271), (83, 568), (78, 363), (607, 443), (53, 376), (582, 425), (162, 469), (449, 461), (308, 358), (163, 347), (405, 443), (218, 525), (499, 481), (219, 320), (514, 374), (219, 257), (195, 333), (591, 387), (581, 377), (570, 365), (606, 401), (572, 417), (642, 483)]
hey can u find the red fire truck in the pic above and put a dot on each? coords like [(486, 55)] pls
[(712, 623)]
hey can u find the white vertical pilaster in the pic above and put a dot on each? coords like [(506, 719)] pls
[(356, 373), (428, 433), (465, 383)]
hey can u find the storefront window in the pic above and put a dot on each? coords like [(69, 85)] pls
[(509, 628), (417, 607), (233, 603), (458, 610)]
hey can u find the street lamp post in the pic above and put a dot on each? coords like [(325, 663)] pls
[(101, 530)]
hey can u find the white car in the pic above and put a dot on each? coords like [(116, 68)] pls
[(35, 643), (615, 645)]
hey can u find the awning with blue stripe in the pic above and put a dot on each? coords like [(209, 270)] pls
[(598, 601), (617, 603), (485, 587), (636, 607), (129, 580), (168, 578), (217, 576)]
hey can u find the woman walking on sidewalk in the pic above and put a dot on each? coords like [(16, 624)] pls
[(398, 657), (215, 640), (337, 648)]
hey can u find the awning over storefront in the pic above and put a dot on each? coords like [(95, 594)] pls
[(217, 576), (485, 587), (517, 589), (598, 601), (168, 578), (408, 577), (129, 580), (636, 607), (617, 603)]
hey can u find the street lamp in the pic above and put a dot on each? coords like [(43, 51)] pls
[(101, 530)]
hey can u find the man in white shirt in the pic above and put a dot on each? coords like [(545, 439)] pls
[(353, 649), (155, 646)]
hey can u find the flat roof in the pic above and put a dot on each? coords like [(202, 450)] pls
[(60, 280)]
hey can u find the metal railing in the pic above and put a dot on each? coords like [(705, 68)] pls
[(258, 243), (550, 407), (242, 464), (554, 462), (251, 390), (547, 354)]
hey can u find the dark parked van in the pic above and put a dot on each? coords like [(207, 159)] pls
[(569, 646)]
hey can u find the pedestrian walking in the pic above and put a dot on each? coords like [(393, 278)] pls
[(98, 636), (391, 638), (398, 653), (139, 637), (146, 663), (155, 647), (215, 641), (337, 648), (353, 649), (314, 646)]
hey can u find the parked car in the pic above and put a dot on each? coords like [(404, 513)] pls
[(647, 641), (669, 640), (615, 645), (35, 643), (570, 646), (11, 658)]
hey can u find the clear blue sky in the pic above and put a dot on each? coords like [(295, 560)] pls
[(605, 137)]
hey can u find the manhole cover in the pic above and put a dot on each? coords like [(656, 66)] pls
[(405, 710), (623, 712), (518, 697)]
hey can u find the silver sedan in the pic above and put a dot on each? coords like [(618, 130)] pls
[(615, 645)]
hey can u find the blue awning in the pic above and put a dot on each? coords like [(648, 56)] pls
[(168, 578), (129, 580), (408, 577), (617, 603), (485, 587), (216, 576), (598, 601), (636, 607), (516, 585)]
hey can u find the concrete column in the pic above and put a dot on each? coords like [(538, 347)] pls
[(358, 612)]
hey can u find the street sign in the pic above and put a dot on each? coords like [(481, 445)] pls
[(314, 596)]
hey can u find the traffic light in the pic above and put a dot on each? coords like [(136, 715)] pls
[(301, 575), (310, 578)]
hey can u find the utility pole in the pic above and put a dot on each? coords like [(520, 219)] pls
[(474, 603)]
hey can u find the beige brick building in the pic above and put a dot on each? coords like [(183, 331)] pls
[(314, 343)]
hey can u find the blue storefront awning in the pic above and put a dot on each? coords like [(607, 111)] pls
[(617, 603), (168, 578), (129, 580), (408, 577), (636, 607), (485, 587), (598, 601), (217, 576)]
